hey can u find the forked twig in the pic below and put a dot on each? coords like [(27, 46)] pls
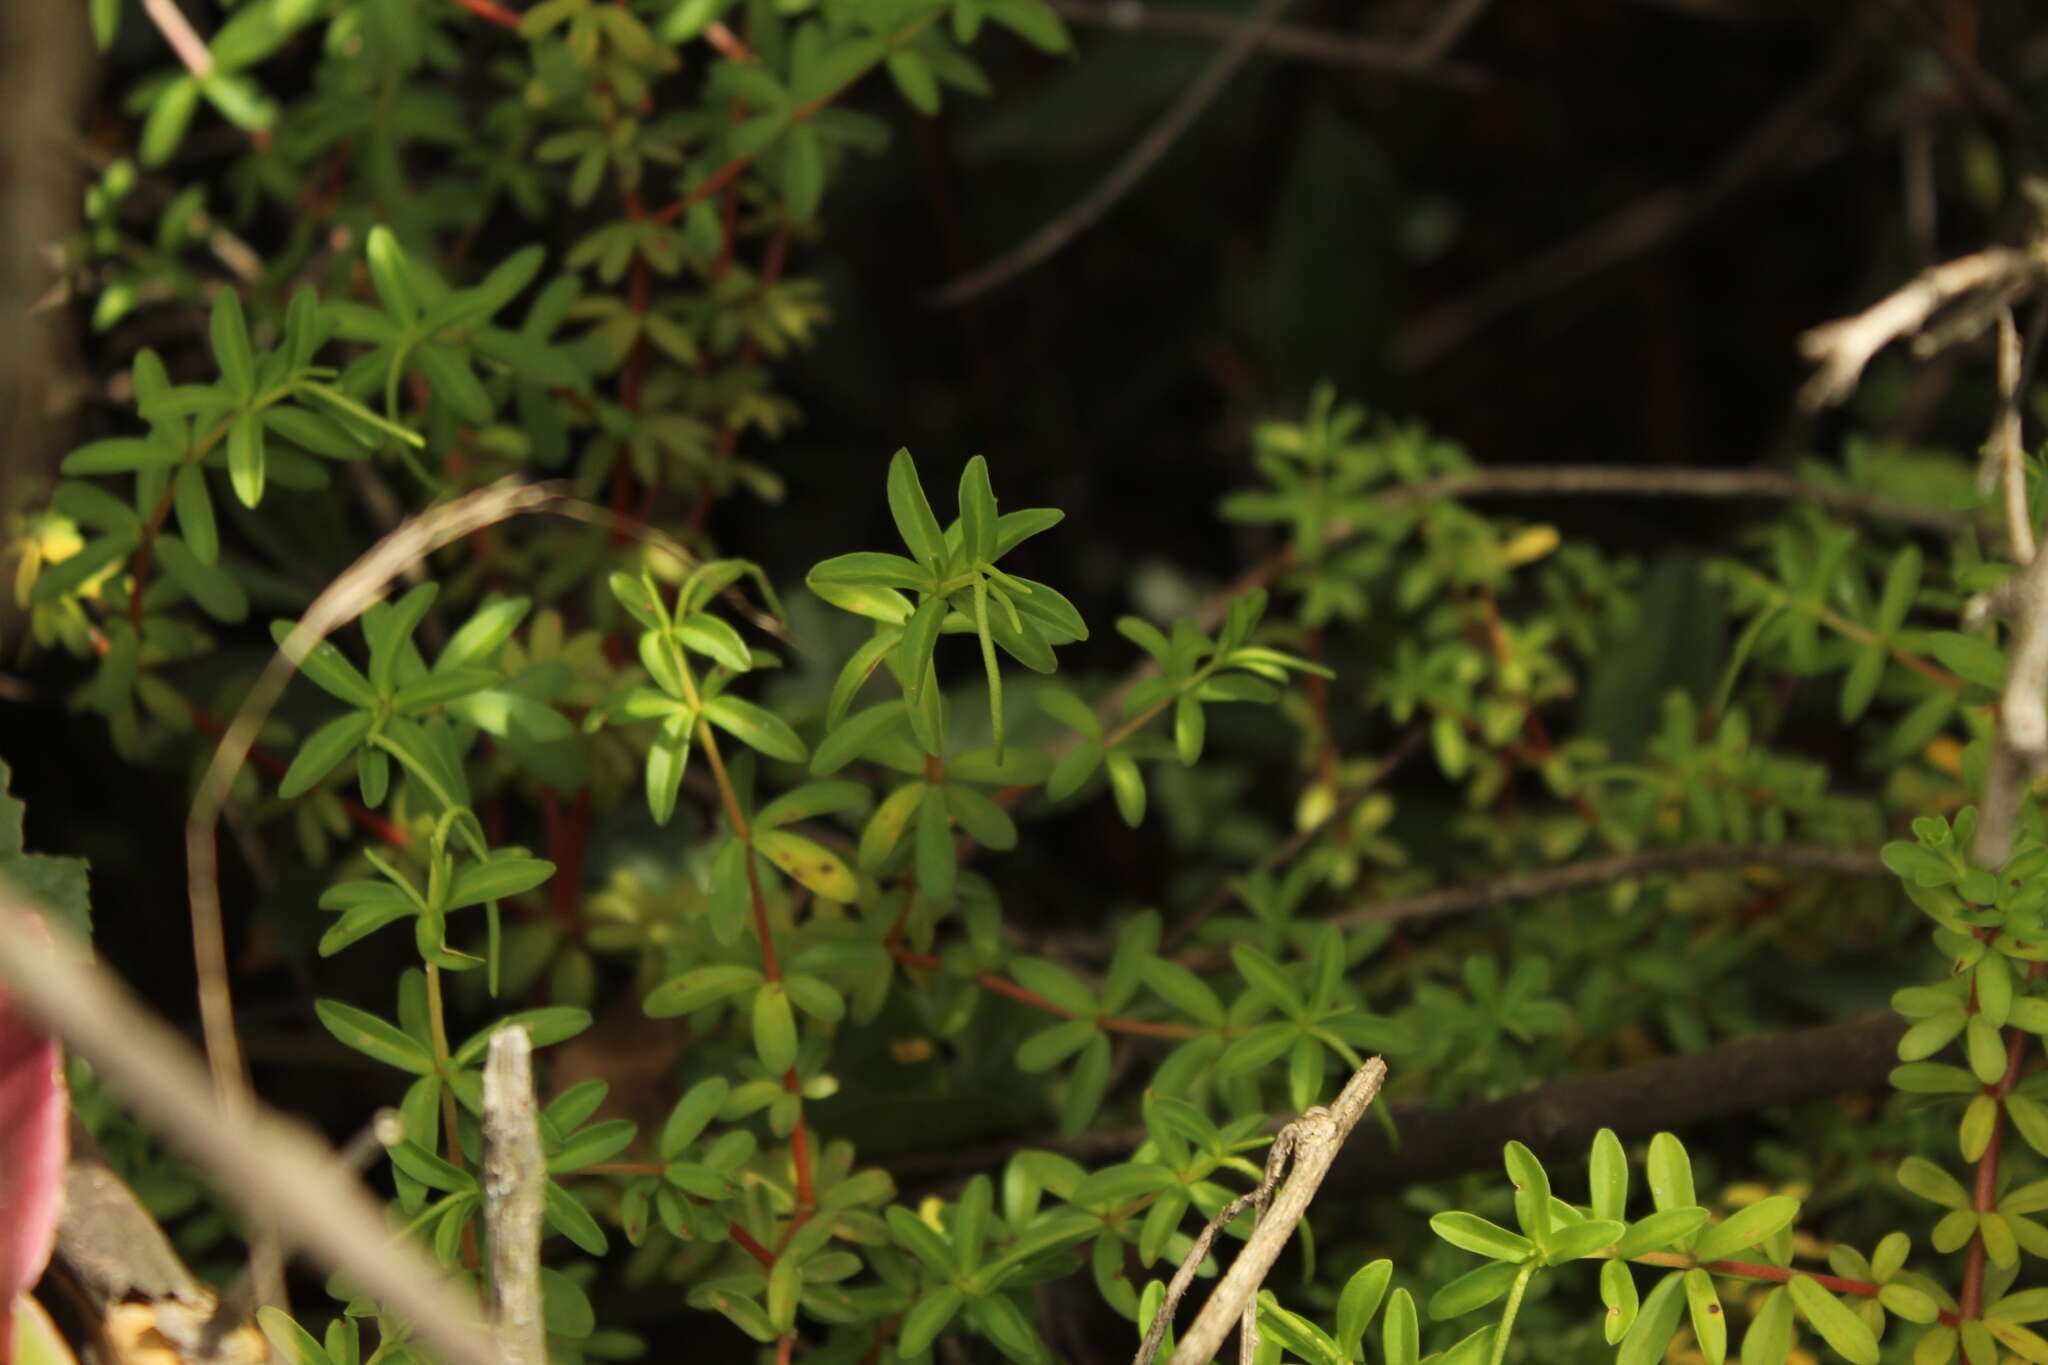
[(1977, 288), (1311, 1144)]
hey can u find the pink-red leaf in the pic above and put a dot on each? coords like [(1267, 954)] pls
[(33, 1150)]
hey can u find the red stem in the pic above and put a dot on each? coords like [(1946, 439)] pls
[(491, 12), (990, 981)]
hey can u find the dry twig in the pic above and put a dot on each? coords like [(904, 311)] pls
[(1282, 40), (1978, 287), (1310, 1143), (1522, 886), (1143, 155)]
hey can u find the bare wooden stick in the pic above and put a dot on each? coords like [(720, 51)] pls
[(1311, 1142), (515, 1180), (1981, 284), (2005, 452), (271, 1166)]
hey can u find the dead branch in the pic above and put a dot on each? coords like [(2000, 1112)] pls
[(1524, 886), (1282, 40), (1312, 1143), (1978, 287)]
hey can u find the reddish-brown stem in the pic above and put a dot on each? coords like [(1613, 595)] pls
[(800, 1153), (746, 1242), (567, 835), (1778, 1274), (1970, 1301), (785, 1348), (771, 966), (992, 982), (491, 12), (368, 820), (717, 181)]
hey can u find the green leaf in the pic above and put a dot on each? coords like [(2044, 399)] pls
[(913, 77), (1128, 786), (1472, 1290), (1055, 984), (72, 573), (388, 275), (212, 587), (758, 729), (1709, 1322), (1268, 978), (853, 736), (1670, 1173), (1618, 1292), (230, 334), (810, 801), (913, 514), (1660, 1231), (371, 1036), (714, 639), (1769, 1338), (1655, 1323), (545, 1026), (1086, 1085), (1358, 1301), (930, 1316), (937, 864), (1746, 1228), (293, 1342), (566, 1215), (803, 172), (698, 988), (194, 506), (1532, 1191), (1470, 1232), (978, 515), (245, 458), (916, 1236), (1048, 1047), (502, 712), (775, 1037), (1575, 1241), (1183, 990), (808, 864), (667, 759), (452, 382), (1844, 1331), (1400, 1331), (1608, 1175), (120, 455), (1930, 1182), (691, 1115), (1972, 659), (1189, 727), (322, 750), (867, 568), (502, 876), (169, 115)]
